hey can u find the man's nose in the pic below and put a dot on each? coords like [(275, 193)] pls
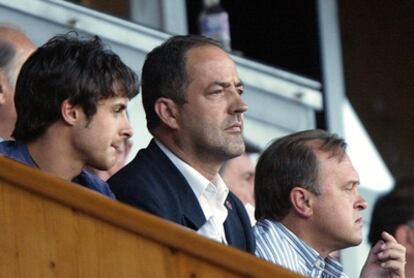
[(361, 204), (127, 130), (238, 105)]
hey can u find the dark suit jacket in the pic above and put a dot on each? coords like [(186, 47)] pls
[(152, 182)]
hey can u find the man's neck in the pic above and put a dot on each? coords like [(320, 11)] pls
[(204, 165), (5, 131), (54, 158), (304, 231)]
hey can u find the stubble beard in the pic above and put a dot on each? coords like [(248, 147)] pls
[(231, 146), (214, 143)]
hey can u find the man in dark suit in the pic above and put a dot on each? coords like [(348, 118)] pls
[(192, 99)]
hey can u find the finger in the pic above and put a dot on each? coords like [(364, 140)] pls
[(395, 266), (388, 237), (377, 247), (392, 254), (393, 246), (373, 254)]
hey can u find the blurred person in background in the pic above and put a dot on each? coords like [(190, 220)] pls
[(238, 173), (15, 48), (123, 151), (394, 213)]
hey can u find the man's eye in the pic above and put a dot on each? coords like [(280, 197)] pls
[(216, 92), (349, 188), (119, 109)]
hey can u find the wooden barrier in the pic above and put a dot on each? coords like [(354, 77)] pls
[(53, 228)]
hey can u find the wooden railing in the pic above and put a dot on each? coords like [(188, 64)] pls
[(53, 228)]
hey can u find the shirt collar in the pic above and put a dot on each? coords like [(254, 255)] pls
[(310, 255), (26, 154), (197, 181), (222, 189)]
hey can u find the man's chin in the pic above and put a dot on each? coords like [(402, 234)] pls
[(104, 166), (356, 241), (235, 152), (237, 146)]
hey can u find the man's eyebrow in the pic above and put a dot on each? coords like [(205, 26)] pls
[(121, 105), (226, 84), (352, 182), (240, 84)]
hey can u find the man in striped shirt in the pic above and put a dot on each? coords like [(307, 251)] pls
[(308, 205)]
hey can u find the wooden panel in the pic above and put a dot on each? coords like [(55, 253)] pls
[(51, 228)]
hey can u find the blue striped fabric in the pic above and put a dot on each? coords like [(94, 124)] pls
[(276, 244)]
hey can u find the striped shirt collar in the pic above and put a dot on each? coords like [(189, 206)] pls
[(310, 255), (315, 263)]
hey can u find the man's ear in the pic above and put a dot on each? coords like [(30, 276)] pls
[(167, 111), (70, 113), (405, 236), (301, 200)]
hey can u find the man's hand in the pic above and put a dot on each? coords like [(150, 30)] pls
[(385, 260)]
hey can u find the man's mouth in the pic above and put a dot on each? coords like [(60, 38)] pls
[(236, 127), (115, 146)]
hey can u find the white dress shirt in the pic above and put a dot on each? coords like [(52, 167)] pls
[(211, 196), (250, 212)]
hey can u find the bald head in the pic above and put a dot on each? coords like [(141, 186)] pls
[(15, 48)]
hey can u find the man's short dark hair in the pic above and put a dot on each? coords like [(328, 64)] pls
[(70, 68), (7, 57), (164, 72), (289, 162), (392, 210)]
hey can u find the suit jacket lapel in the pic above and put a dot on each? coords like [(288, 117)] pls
[(228, 224), (192, 211), (193, 215)]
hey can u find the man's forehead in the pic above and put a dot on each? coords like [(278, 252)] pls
[(332, 156), (318, 148), (335, 165)]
